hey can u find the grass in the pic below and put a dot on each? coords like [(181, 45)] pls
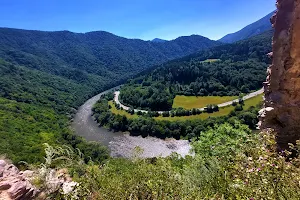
[(189, 102), (253, 101), (121, 112), (222, 112)]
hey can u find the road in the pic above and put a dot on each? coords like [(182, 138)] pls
[(248, 96)]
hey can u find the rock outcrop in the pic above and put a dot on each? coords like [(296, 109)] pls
[(14, 184), (281, 111)]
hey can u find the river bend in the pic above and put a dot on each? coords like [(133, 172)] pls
[(120, 144)]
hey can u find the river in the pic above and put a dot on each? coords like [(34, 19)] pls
[(121, 144)]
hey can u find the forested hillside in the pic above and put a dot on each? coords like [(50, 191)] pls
[(91, 56), (226, 70), (35, 109)]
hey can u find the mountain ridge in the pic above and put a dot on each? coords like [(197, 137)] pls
[(250, 30), (93, 52), (158, 40)]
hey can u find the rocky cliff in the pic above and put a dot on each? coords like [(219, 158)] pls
[(15, 184), (281, 111)]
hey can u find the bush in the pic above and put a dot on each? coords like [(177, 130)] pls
[(166, 114), (238, 108)]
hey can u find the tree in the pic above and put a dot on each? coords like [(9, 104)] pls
[(238, 108), (166, 114), (241, 101), (234, 103)]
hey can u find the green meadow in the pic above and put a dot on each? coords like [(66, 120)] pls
[(120, 112), (222, 112), (189, 102)]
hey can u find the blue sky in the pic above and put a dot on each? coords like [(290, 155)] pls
[(144, 19)]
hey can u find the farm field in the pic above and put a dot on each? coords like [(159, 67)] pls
[(222, 112), (189, 102)]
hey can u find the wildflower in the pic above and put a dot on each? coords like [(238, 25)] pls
[(250, 170), (250, 159), (258, 169)]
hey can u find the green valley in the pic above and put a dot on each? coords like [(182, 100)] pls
[(46, 76), (93, 115)]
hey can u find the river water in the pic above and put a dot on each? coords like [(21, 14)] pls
[(121, 144)]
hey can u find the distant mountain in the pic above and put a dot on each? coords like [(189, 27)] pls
[(99, 53), (158, 40), (253, 29)]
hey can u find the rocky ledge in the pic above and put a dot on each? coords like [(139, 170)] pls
[(14, 184)]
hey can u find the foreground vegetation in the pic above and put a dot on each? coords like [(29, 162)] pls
[(230, 162)]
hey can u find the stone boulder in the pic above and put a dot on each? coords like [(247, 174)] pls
[(14, 184)]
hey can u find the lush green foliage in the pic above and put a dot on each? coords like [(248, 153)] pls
[(39, 88), (35, 109), (157, 97), (222, 140), (241, 69), (245, 166)]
